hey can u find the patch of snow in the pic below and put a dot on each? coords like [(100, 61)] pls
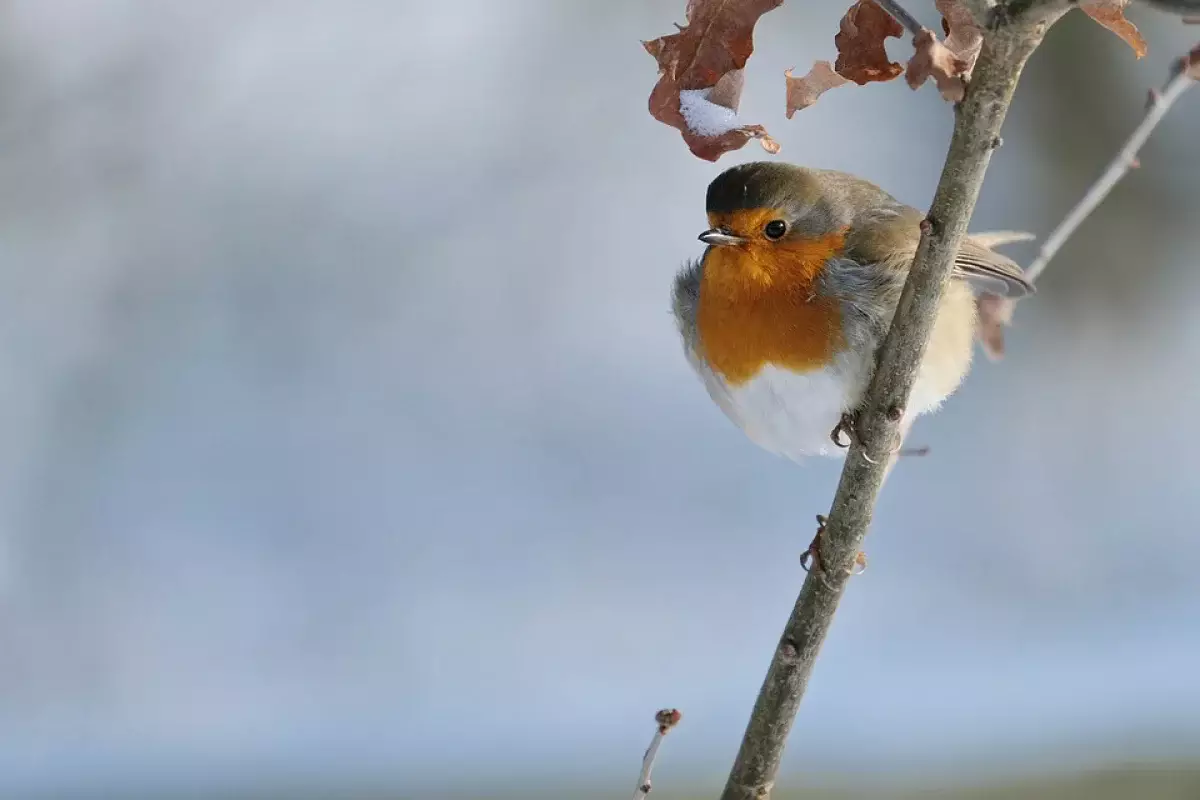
[(705, 118)]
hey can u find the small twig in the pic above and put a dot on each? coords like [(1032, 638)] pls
[(901, 15), (1182, 79), (996, 313), (665, 719)]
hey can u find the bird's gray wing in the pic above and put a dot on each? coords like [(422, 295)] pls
[(889, 234), (990, 272)]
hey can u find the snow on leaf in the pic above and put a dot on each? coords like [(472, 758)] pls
[(862, 56), (700, 76), (803, 92), (933, 59), (1111, 14)]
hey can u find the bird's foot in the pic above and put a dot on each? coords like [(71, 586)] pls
[(845, 433), (810, 559), (847, 427)]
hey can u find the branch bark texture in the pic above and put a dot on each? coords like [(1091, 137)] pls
[(978, 119)]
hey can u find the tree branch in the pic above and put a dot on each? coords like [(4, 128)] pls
[(981, 10), (978, 120), (995, 313), (664, 720), (1183, 77)]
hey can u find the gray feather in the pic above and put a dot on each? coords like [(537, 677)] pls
[(685, 299), (990, 272)]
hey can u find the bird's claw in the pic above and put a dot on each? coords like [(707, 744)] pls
[(847, 426), (811, 560), (812, 556)]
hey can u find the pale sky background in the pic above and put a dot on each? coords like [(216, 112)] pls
[(347, 432)]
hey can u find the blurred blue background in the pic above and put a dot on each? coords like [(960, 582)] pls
[(348, 440)]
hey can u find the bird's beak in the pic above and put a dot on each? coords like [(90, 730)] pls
[(720, 237)]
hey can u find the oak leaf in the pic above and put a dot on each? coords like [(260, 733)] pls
[(933, 59), (803, 92), (700, 76), (964, 37), (862, 56), (994, 315), (949, 63), (1191, 63), (1111, 14)]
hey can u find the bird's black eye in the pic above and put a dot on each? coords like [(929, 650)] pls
[(775, 229)]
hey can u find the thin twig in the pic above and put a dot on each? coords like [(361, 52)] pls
[(1160, 103), (901, 15), (664, 720), (996, 313), (978, 119)]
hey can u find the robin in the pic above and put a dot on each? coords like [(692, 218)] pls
[(783, 315)]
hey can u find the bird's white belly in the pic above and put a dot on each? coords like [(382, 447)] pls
[(787, 412)]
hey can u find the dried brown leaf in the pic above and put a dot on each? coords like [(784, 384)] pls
[(1111, 14), (995, 314), (668, 718), (949, 63), (964, 38), (862, 56), (700, 75), (803, 92), (933, 59), (1191, 63)]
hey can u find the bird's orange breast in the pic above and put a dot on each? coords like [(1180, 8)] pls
[(758, 306)]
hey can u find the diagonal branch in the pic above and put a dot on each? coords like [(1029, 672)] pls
[(995, 313), (664, 720), (1185, 74), (978, 120)]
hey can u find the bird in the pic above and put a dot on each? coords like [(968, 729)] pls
[(783, 315)]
